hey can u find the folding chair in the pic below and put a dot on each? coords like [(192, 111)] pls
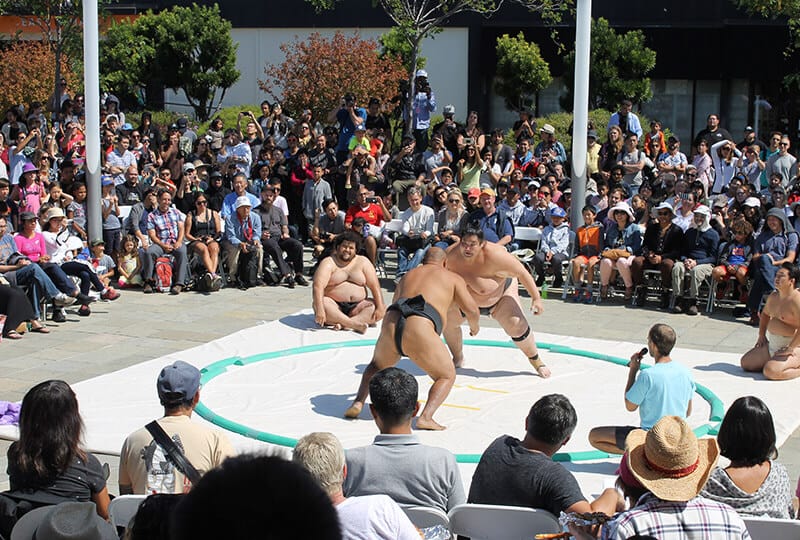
[(123, 508), (424, 516), (762, 528), (571, 250), (394, 226), (651, 283), (490, 522)]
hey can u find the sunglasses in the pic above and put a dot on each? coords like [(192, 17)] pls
[(454, 200), (545, 193), (665, 213), (201, 202)]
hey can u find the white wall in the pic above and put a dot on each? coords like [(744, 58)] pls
[(447, 65)]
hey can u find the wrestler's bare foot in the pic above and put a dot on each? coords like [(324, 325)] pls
[(540, 367), (458, 362), (360, 328), (431, 424), (354, 410), (336, 327)]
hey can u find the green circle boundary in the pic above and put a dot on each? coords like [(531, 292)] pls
[(209, 372)]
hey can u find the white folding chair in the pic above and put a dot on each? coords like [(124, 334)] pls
[(490, 522), (762, 528), (123, 508), (394, 226), (425, 516)]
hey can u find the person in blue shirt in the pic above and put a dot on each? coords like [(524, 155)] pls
[(348, 115), (665, 389), (423, 104), (626, 120)]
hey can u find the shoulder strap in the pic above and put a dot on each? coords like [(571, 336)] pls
[(174, 453)]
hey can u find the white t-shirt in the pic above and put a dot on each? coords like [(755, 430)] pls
[(374, 517)]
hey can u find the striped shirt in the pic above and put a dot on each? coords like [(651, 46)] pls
[(665, 520)]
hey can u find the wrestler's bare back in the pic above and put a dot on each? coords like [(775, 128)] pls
[(784, 314), (347, 283)]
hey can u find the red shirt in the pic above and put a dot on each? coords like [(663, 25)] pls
[(372, 215)]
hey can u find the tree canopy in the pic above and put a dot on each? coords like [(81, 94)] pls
[(187, 49), (521, 71), (618, 68), (323, 70)]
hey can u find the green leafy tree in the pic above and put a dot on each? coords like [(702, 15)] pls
[(188, 49), (773, 9), (419, 19), (521, 71), (395, 43), (618, 68)]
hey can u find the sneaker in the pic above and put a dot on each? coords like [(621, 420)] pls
[(692, 309), (577, 295), (540, 281), (216, 282), (176, 290), (289, 281), (109, 294), (743, 294), (148, 288), (59, 316), (84, 298), (208, 281), (300, 280), (678, 307), (84, 311), (62, 300), (587, 297)]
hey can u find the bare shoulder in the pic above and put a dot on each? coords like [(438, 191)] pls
[(361, 263)]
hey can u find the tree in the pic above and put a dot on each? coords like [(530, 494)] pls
[(60, 23), (394, 43), (773, 9), (419, 19), (317, 72), (618, 68), (521, 71), (27, 69), (188, 49)]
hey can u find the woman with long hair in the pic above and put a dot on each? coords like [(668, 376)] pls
[(610, 150), (726, 158), (703, 165), (451, 220), (473, 130), (203, 231), (48, 457), (754, 484)]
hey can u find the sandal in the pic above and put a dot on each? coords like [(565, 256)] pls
[(41, 329), (13, 334)]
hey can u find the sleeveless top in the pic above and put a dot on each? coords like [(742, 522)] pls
[(204, 228)]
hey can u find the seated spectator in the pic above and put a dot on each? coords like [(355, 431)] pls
[(416, 234), (276, 241), (776, 245), (165, 230), (17, 309), (775, 352), (539, 215), (754, 484), (553, 248), (239, 190), (131, 191), (623, 242), (216, 192), (734, 259), (152, 519), (144, 467), (661, 247), (340, 288), (396, 463), (671, 465), (294, 507), (48, 458), (374, 212), (697, 259), (664, 389), (204, 231), (242, 242), (590, 237), (684, 212), (130, 267), (451, 220), (369, 516), (513, 207), (522, 473), (328, 224), (405, 169), (494, 223), (64, 520)]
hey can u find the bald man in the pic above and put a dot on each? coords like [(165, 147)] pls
[(412, 326)]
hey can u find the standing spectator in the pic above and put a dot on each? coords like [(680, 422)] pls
[(632, 161), (525, 126), (315, 191), (782, 163), (144, 467), (549, 150), (502, 154), (119, 159), (712, 133), (165, 229), (626, 119), (726, 158), (673, 160), (348, 115), (452, 132), (235, 156), (423, 103), (150, 130)]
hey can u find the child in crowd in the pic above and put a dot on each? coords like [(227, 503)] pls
[(103, 264), (112, 225), (553, 248), (76, 211), (590, 242), (734, 260), (129, 267), (57, 197)]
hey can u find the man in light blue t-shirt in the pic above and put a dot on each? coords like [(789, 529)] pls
[(665, 389)]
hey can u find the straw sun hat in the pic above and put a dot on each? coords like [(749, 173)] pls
[(669, 460)]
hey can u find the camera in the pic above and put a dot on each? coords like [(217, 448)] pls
[(373, 200)]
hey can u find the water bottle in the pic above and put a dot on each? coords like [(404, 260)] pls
[(544, 291)]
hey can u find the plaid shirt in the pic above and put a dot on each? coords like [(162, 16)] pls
[(165, 224), (665, 520)]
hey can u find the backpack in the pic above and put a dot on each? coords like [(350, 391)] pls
[(248, 269), (163, 274)]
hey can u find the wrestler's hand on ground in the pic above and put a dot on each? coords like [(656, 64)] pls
[(537, 307), (378, 314), (762, 341), (319, 318), (474, 331)]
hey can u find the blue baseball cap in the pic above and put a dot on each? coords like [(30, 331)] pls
[(178, 383), (558, 212)]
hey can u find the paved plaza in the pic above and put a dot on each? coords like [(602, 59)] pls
[(140, 327)]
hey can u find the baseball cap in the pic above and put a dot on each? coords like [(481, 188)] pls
[(360, 127), (27, 216), (473, 193), (188, 167), (421, 73), (242, 201), (592, 134), (107, 181), (97, 242), (748, 129), (558, 212), (182, 123), (489, 192), (449, 109), (178, 382)]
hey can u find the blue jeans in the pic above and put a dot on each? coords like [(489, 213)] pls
[(87, 276), (34, 277), (404, 263), (59, 278), (763, 272)]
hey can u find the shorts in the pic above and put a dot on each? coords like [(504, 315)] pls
[(583, 259), (620, 434), (113, 240), (727, 274)]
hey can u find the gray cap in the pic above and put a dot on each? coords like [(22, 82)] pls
[(449, 109), (177, 383), (64, 521)]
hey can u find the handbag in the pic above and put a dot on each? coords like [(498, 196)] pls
[(614, 254), (174, 453)]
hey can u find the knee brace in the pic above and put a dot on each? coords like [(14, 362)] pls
[(523, 336)]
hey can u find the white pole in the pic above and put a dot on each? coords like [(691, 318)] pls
[(758, 110), (583, 30), (91, 85)]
